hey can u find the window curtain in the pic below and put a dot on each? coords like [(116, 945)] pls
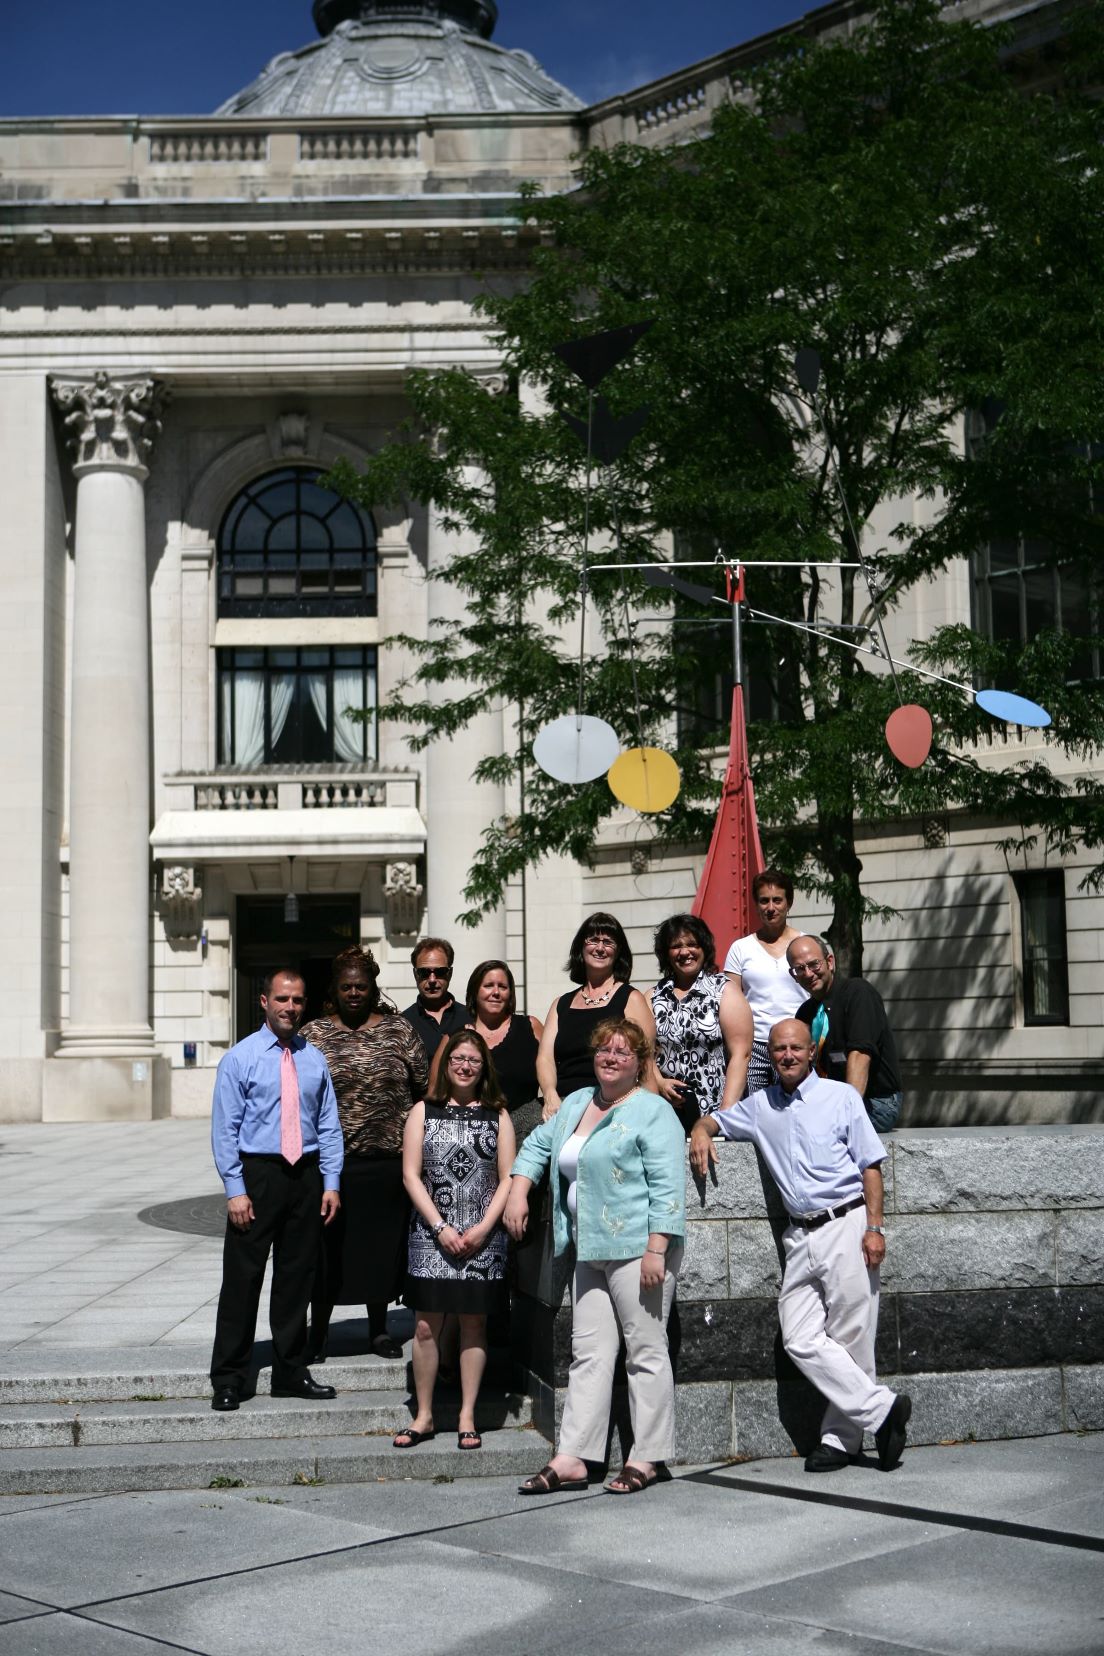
[(243, 714), (243, 718), (348, 734), (281, 694)]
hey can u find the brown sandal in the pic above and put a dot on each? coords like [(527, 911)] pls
[(629, 1481), (548, 1482)]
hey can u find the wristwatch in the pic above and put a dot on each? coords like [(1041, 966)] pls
[(436, 1230), (879, 1230)]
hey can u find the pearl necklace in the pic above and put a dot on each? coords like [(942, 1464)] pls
[(611, 1103)]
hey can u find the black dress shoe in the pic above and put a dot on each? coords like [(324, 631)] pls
[(225, 1399), (304, 1386), (891, 1434), (827, 1458)]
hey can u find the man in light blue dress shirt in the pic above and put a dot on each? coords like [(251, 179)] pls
[(277, 1144), (825, 1157)]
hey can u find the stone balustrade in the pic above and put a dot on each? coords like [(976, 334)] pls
[(992, 1308), (294, 788)]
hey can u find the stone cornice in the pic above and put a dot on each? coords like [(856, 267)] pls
[(72, 251)]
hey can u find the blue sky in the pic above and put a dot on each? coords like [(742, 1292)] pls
[(183, 57)]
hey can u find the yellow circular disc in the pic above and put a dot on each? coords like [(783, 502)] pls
[(645, 779)]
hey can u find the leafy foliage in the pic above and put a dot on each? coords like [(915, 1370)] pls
[(935, 228)]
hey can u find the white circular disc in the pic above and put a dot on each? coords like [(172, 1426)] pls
[(576, 748)]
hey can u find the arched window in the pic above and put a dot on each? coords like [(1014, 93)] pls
[(287, 546)]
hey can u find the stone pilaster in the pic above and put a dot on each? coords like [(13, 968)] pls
[(457, 807), (112, 424)]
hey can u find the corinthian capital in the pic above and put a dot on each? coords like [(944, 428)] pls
[(111, 422)]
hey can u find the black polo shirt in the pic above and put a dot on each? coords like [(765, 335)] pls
[(453, 1018), (857, 1022)]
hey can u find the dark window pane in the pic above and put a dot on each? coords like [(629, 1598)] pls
[(1003, 554), (278, 499), (1004, 611), (284, 535), (1043, 939), (1040, 600), (313, 535), (251, 530)]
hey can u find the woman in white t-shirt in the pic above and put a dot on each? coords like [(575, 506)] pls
[(758, 964)]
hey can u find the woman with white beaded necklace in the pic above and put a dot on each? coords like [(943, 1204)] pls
[(600, 962)]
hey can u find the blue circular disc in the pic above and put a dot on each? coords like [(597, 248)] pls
[(1017, 710)]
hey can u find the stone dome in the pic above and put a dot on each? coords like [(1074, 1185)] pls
[(387, 58)]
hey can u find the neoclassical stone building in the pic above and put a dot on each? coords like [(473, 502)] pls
[(197, 317)]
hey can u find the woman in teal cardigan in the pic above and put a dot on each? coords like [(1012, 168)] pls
[(618, 1157)]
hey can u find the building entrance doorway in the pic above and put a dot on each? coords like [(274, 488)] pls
[(264, 940)]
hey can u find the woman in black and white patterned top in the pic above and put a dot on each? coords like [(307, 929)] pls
[(703, 1022), (458, 1148)]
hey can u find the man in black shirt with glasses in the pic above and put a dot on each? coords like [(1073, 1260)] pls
[(436, 1011)]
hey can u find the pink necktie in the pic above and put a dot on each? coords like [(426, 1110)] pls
[(291, 1129)]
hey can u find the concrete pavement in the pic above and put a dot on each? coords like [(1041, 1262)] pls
[(968, 1549)]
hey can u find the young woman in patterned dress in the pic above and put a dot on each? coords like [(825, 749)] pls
[(458, 1148)]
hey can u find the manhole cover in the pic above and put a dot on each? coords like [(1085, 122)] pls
[(195, 1215)]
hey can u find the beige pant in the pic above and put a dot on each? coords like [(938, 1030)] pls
[(828, 1309), (607, 1303)]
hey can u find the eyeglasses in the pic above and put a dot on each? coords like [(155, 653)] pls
[(466, 1063), (802, 968), (623, 1053), (424, 972)]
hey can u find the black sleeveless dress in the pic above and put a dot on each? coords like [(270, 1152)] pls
[(574, 1027), (515, 1062)]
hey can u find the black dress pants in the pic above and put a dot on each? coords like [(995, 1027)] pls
[(287, 1204)]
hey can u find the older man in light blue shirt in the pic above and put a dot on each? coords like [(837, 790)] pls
[(819, 1147)]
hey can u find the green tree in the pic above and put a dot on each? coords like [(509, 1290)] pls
[(903, 202)]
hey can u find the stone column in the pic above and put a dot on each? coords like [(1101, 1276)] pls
[(458, 808), (112, 425)]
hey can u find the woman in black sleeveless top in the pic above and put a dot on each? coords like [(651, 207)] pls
[(511, 1036), (601, 964)]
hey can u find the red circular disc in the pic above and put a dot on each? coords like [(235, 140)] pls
[(909, 734)]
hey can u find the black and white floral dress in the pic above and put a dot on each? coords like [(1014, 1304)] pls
[(460, 1171), (689, 1043)]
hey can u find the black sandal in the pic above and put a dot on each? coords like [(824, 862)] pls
[(413, 1438), (548, 1482), (469, 1440)]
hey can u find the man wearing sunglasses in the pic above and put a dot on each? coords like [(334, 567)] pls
[(436, 1012)]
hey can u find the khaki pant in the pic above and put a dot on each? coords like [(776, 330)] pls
[(828, 1309), (607, 1304)]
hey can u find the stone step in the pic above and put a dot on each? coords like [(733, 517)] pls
[(119, 1468), (147, 1382), (93, 1424)]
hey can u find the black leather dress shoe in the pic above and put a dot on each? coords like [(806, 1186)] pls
[(891, 1434), (827, 1458), (225, 1399), (304, 1386)]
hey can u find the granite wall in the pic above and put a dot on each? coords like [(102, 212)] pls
[(992, 1311)]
